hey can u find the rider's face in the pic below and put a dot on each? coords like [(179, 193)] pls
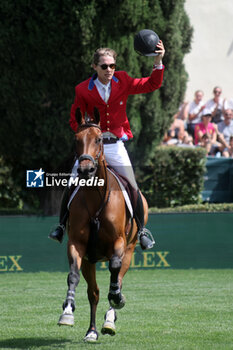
[(105, 75)]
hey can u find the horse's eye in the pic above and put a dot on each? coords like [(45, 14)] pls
[(98, 140)]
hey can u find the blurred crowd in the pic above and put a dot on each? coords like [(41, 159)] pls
[(207, 124)]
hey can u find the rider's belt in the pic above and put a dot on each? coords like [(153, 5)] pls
[(109, 138)]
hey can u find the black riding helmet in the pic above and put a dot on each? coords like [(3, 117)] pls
[(145, 42)]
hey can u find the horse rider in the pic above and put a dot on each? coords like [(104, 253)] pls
[(108, 90)]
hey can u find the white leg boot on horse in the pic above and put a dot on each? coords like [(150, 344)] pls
[(67, 317), (109, 323)]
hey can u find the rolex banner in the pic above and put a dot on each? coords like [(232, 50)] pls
[(197, 240)]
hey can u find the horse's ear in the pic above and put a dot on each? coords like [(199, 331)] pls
[(79, 116), (96, 116)]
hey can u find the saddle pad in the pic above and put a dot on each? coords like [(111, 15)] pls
[(125, 194)]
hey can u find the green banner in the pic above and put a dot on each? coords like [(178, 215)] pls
[(197, 240), (218, 185)]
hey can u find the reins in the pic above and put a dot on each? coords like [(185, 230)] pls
[(104, 202)]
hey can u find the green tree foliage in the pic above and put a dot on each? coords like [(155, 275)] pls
[(9, 193), (46, 49)]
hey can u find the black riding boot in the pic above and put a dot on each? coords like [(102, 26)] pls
[(144, 235), (60, 230)]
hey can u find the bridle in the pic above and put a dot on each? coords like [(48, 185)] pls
[(95, 161), (95, 221)]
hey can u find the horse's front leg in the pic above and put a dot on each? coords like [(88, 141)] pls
[(67, 317), (111, 316), (89, 273), (109, 322), (115, 297)]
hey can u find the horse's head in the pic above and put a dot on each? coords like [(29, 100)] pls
[(89, 144)]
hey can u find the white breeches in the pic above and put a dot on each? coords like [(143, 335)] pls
[(117, 157)]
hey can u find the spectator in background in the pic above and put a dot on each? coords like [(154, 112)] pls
[(229, 152), (183, 112), (195, 111), (205, 142), (216, 105), (205, 133), (177, 135), (225, 131)]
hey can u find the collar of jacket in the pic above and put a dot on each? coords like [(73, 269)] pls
[(92, 84)]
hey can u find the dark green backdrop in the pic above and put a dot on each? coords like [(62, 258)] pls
[(218, 186), (183, 241)]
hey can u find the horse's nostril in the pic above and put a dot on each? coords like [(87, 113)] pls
[(83, 170), (86, 170)]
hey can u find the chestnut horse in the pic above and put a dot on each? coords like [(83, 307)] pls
[(100, 228)]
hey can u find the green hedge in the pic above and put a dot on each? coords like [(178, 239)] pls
[(174, 177), (189, 208), (195, 208)]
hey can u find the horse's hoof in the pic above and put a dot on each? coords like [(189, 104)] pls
[(117, 305), (108, 328), (66, 320), (91, 337)]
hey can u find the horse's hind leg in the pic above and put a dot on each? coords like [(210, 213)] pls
[(89, 273), (67, 317), (126, 261)]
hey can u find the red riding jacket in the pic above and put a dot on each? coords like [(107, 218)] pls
[(113, 116)]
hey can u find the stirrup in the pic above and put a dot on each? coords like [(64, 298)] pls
[(145, 232)]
